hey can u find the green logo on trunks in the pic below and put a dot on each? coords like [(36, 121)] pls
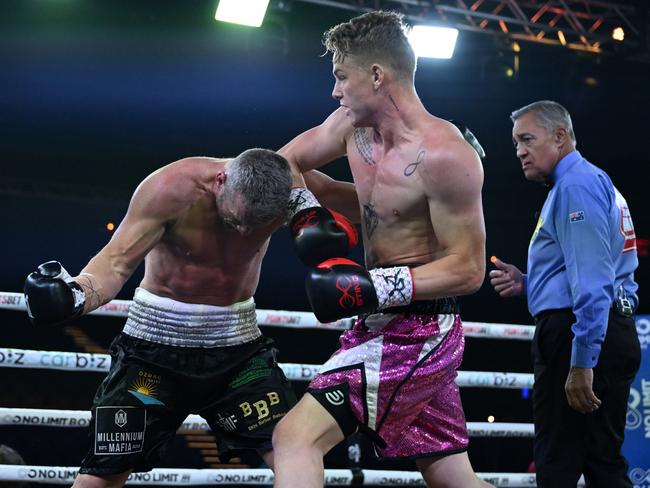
[(254, 369)]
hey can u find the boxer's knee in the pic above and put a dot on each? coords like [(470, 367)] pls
[(307, 426)]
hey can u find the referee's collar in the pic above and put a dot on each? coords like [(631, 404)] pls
[(564, 165)]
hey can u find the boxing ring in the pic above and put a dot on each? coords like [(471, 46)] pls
[(93, 362)]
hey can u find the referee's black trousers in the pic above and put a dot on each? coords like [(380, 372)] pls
[(568, 443)]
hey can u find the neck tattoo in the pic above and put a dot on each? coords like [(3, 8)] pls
[(393, 101)]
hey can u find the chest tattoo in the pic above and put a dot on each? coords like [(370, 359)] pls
[(411, 167), (363, 145), (370, 219)]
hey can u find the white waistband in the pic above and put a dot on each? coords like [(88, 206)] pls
[(166, 321)]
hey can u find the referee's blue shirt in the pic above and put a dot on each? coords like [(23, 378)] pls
[(582, 252)]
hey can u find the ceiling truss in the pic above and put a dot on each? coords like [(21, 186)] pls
[(584, 25)]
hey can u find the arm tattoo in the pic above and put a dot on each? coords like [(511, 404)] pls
[(93, 298), (370, 219), (410, 168), (363, 145)]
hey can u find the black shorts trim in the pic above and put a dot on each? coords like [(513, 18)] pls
[(443, 306), (341, 412), (335, 399)]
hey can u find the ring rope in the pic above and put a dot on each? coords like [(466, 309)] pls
[(178, 477), (59, 360), (301, 320), (224, 477), (81, 418)]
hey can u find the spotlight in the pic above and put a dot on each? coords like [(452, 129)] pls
[(244, 12), (618, 34), (433, 42)]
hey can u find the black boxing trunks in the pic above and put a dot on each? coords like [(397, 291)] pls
[(239, 389)]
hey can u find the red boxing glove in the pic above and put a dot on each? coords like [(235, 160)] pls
[(339, 288), (319, 233)]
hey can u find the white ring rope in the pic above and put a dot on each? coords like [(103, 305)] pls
[(302, 320), (61, 475), (78, 361), (21, 358), (81, 418)]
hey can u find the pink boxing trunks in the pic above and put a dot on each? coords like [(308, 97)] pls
[(394, 378)]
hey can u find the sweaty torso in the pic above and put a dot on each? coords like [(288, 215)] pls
[(396, 222), (201, 260)]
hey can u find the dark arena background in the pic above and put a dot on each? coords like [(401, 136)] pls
[(95, 95)]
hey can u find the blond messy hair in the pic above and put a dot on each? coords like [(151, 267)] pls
[(374, 37)]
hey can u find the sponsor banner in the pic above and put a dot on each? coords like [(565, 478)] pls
[(392, 478), (499, 331), (500, 429), (254, 477), (300, 372), (194, 422), (286, 318), (25, 358), (637, 428), (488, 379), (12, 301), (338, 477), (46, 418)]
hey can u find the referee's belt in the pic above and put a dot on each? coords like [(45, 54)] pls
[(614, 307)]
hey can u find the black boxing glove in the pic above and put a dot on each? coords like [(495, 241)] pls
[(470, 138), (339, 288), (319, 233), (52, 297)]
